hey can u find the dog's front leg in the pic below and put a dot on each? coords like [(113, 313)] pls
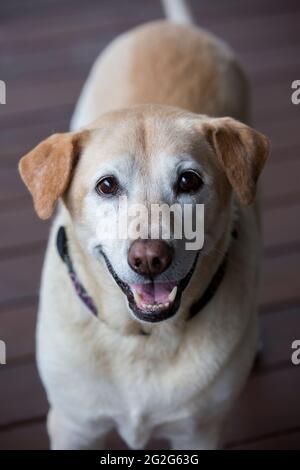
[(67, 435)]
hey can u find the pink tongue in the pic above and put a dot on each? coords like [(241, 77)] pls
[(154, 292)]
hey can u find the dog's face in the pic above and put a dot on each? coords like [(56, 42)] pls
[(144, 158)]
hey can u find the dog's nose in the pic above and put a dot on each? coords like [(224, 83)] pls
[(149, 257)]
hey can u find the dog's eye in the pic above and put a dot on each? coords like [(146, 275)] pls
[(189, 182), (107, 186)]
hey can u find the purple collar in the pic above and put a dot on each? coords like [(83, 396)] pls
[(62, 247), (197, 306)]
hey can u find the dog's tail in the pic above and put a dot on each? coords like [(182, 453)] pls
[(178, 11)]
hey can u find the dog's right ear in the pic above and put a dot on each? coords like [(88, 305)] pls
[(47, 169), (241, 152)]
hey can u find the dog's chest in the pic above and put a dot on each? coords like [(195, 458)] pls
[(144, 405), (144, 396)]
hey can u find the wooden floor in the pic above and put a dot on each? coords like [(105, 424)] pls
[(47, 48)]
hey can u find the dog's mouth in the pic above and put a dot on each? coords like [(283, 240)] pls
[(153, 301)]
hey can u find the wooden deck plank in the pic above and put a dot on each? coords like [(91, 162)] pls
[(20, 278), (17, 329), (281, 226), (280, 279), (21, 226), (265, 406), (288, 441), (222, 19), (31, 436), (280, 179), (21, 394)]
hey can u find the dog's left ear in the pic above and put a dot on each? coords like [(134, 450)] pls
[(242, 153), (47, 169)]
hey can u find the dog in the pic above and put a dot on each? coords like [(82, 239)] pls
[(141, 334)]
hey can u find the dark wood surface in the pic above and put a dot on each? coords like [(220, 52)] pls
[(47, 48)]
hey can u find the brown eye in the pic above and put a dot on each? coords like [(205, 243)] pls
[(189, 182), (107, 186)]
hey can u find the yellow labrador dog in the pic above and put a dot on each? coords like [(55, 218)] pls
[(140, 333)]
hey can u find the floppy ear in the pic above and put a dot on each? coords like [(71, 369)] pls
[(242, 153), (47, 169)]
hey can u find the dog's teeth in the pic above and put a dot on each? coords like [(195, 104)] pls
[(155, 306), (147, 305), (172, 294), (136, 297)]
